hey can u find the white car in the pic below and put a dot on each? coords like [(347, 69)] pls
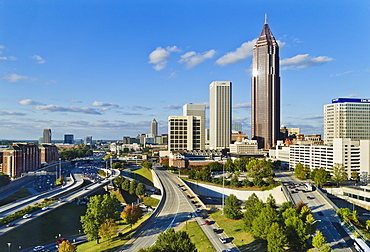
[(222, 240), (38, 248), (208, 198), (27, 216), (45, 208)]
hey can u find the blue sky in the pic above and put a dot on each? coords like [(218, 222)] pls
[(107, 68)]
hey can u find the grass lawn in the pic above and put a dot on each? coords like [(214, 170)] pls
[(21, 193), (149, 201), (64, 220), (143, 175), (198, 237), (234, 228), (113, 244), (118, 194)]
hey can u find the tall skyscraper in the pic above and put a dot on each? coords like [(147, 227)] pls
[(265, 90), (47, 136), (197, 110), (154, 128), (220, 115), (68, 139), (347, 118)]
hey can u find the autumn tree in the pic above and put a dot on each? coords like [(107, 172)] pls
[(108, 229), (131, 214), (67, 246)]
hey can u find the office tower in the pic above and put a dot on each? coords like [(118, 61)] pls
[(197, 110), (236, 126), (347, 118), (68, 139), (154, 128), (184, 132), (47, 136), (265, 90), (88, 140), (220, 115)]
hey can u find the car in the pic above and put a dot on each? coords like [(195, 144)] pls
[(320, 213), (207, 222), (11, 224), (293, 191), (222, 239), (198, 210), (61, 240), (193, 202), (208, 198), (188, 196), (38, 248), (310, 197), (27, 216), (343, 245), (45, 208), (227, 250), (366, 214), (293, 186), (215, 230)]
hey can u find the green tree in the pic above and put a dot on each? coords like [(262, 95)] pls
[(146, 164), (108, 229), (339, 173), (117, 165), (253, 208), (240, 164), (67, 246), (133, 184), (229, 165), (295, 231), (234, 181), (131, 214), (344, 213), (276, 239), (261, 225), (126, 185), (232, 207), (271, 201), (140, 190), (215, 166), (321, 176), (118, 181), (326, 248), (318, 240), (98, 210), (355, 176), (302, 171), (171, 241), (367, 224)]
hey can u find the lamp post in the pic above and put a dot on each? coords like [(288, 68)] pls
[(9, 244), (223, 187)]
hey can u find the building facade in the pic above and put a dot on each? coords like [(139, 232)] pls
[(68, 139), (347, 118), (46, 136), (184, 133), (197, 110), (49, 153), (245, 147), (265, 90), (220, 115)]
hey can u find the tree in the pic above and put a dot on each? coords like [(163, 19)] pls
[(367, 224), (108, 229), (118, 181), (67, 246), (132, 189), (131, 214), (295, 231), (232, 207), (261, 225), (171, 241), (253, 208), (271, 201), (355, 176), (276, 239), (321, 176), (318, 240), (234, 181), (215, 166), (326, 248), (339, 173), (229, 166), (240, 164), (146, 164), (126, 185), (299, 171), (140, 190), (117, 165), (98, 210)]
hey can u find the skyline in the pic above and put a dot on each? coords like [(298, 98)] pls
[(107, 69)]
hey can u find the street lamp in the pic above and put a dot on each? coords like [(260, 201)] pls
[(223, 187), (9, 244)]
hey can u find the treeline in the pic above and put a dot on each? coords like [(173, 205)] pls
[(132, 187), (77, 152)]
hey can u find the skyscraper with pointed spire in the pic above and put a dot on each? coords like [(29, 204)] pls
[(265, 89), (154, 128)]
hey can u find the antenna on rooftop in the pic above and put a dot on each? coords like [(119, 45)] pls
[(265, 18)]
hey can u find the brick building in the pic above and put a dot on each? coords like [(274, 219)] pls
[(48, 153)]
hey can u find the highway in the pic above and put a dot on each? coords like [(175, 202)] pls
[(327, 222), (176, 209)]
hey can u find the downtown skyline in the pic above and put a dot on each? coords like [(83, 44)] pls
[(107, 69)]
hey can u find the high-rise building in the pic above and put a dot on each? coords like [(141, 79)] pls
[(220, 115), (191, 109), (236, 126), (47, 136), (68, 139), (265, 90), (88, 140), (184, 133), (347, 118), (154, 128)]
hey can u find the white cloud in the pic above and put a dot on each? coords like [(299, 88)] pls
[(38, 59), (173, 107), (56, 108), (103, 104), (135, 107), (11, 58), (16, 78), (76, 101), (160, 56), (352, 96), (192, 58), (241, 53), (313, 117), (28, 102), (242, 105), (3, 112), (303, 61)]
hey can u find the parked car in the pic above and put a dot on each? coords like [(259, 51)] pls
[(320, 213), (198, 210), (222, 239), (10, 224), (207, 222)]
